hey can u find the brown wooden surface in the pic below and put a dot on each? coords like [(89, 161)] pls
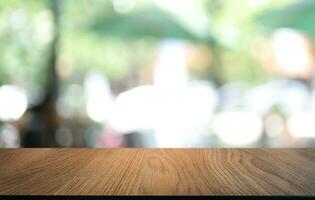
[(157, 171)]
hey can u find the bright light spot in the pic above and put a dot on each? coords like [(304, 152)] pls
[(258, 3), (44, 27), (178, 111), (171, 67), (230, 35), (274, 125), (18, 19), (9, 136), (123, 6), (170, 79), (99, 98), (134, 109), (290, 51), (199, 101), (183, 117), (175, 116), (302, 125), (238, 128), (13, 103)]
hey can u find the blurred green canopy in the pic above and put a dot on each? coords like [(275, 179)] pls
[(151, 21), (299, 16)]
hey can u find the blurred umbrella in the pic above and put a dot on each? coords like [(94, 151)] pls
[(299, 16), (149, 22)]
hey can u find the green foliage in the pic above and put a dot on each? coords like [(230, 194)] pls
[(150, 21), (22, 56), (299, 16), (236, 30), (94, 36)]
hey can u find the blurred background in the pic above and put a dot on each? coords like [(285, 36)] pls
[(157, 73)]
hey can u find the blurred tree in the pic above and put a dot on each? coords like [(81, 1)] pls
[(43, 116)]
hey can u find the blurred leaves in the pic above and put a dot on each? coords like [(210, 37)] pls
[(22, 55), (148, 22), (299, 16), (94, 35)]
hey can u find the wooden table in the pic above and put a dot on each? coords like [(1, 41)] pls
[(157, 171)]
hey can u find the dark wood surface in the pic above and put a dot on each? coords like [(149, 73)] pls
[(157, 171)]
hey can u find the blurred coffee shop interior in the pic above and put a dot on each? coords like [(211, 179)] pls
[(157, 73)]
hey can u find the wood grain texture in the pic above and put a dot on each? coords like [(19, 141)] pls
[(157, 171)]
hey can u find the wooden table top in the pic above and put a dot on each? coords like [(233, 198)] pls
[(143, 171)]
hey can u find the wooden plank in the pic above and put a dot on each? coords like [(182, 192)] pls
[(142, 171)]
